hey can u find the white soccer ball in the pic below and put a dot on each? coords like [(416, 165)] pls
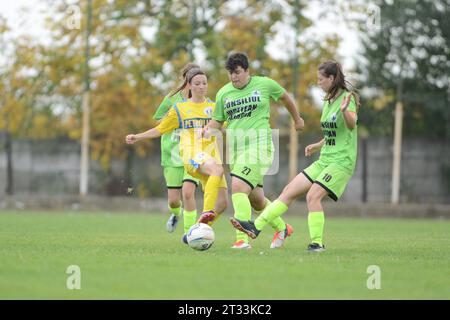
[(200, 236)]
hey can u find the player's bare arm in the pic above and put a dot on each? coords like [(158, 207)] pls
[(149, 134), (313, 148), (212, 126), (349, 116), (290, 105)]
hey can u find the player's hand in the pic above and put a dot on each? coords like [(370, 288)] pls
[(206, 132), (130, 139), (312, 148), (299, 124), (345, 102)]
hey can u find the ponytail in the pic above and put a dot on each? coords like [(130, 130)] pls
[(184, 72), (332, 68)]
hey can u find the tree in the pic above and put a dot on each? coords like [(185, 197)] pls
[(137, 48), (410, 50)]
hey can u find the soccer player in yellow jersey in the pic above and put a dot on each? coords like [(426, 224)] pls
[(201, 156), (180, 186)]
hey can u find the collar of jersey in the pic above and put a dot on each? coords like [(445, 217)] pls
[(251, 77), (207, 100), (328, 102)]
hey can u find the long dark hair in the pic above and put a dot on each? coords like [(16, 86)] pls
[(184, 72), (332, 68)]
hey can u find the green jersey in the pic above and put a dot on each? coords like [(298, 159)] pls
[(340, 142), (170, 151), (247, 107), (247, 112)]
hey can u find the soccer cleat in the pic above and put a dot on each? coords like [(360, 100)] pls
[(172, 223), (208, 217), (248, 227), (315, 247), (280, 236), (184, 238), (241, 244)]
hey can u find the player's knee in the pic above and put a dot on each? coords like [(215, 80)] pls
[(239, 186), (188, 193), (188, 197), (312, 197), (217, 170)]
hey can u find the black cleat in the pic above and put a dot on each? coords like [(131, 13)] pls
[(248, 227), (315, 247)]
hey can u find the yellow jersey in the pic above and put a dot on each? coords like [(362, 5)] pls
[(190, 118)]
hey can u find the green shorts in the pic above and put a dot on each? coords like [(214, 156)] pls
[(251, 166), (332, 177), (176, 176)]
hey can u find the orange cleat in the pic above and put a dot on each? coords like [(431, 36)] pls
[(241, 244), (280, 236)]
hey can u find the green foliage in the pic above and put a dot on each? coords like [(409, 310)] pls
[(136, 51), (137, 48), (408, 58)]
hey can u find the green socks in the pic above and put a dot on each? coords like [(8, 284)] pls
[(316, 220), (190, 217), (175, 211), (271, 212), (277, 224), (242, 211)]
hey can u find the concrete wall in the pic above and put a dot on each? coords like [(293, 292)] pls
[(52, 168)]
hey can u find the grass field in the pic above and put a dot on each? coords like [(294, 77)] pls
[(131, 256)]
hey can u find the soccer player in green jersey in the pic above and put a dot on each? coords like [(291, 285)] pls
[(330, 174), (244, 103), (180, 185)]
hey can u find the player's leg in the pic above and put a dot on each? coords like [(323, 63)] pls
[(247, 171), (190, 185), (282, 230), (189, 204), (209, 217), (221, 203), (316, 218), (240, 189), (173, 177), (214, 173), (174, 200), (222, 200), (297, 187), (259, 202), (257, 199), (210, 171), (332, 182)]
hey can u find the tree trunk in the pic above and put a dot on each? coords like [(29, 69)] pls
[(9, 166)]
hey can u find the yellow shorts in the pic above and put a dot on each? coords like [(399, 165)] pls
[(193, 164)]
